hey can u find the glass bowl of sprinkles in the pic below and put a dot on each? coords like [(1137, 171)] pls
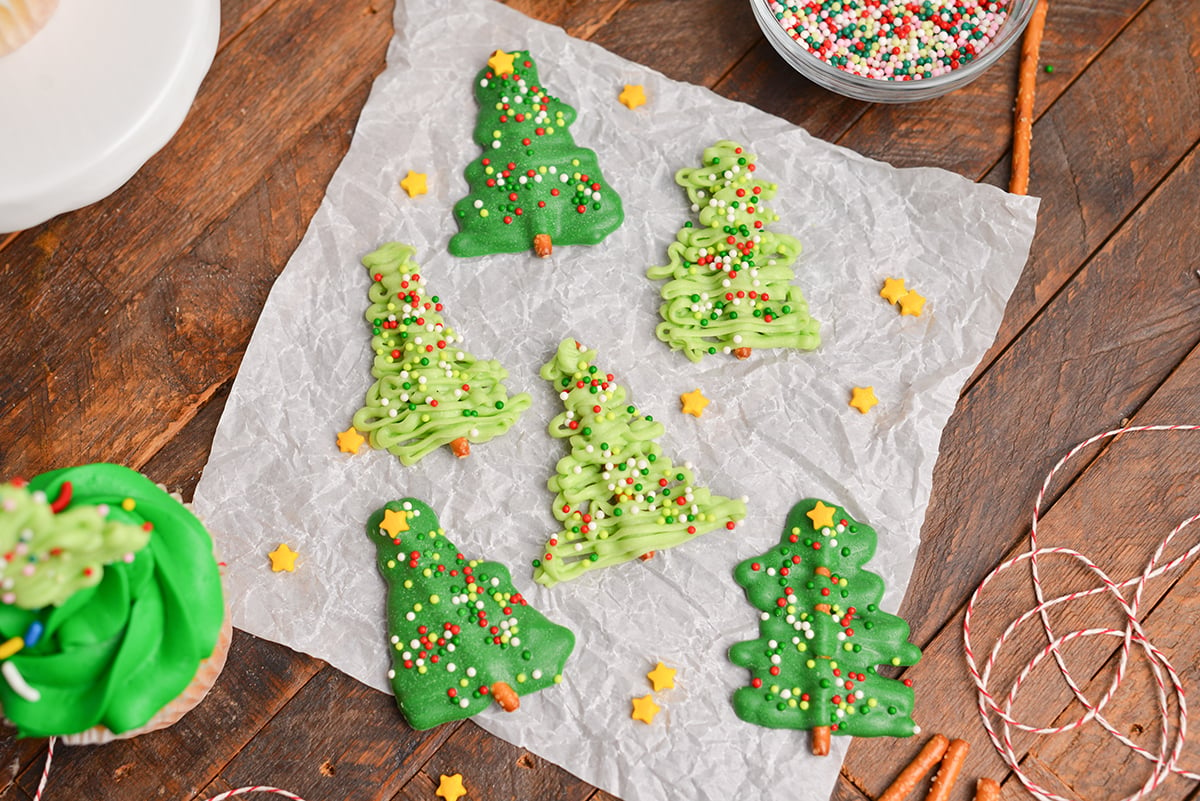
[(892, 51)]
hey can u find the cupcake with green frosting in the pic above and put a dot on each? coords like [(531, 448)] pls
[(112, 618)]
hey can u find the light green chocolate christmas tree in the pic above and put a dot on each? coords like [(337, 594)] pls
[(822, 633), (616, 495), (730, 289), (429, 392), (51, 552), (460, 634), (532, 187)]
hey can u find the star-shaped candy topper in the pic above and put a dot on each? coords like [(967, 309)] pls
[(414, 183), (394, 521), (863, 398), (911, 304), (349, 441), (821, 515), (283, 558), (644, 709), (451, 787), (893, 290), (633, 95), (662, 677), (501, 63), (694, 402)]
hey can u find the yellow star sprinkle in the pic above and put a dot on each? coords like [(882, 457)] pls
[(451, 787), (283, 558), (893, 290), (501, 63), (644, 709), (633, 95), (662, 677), (821, 515), (863, 398), (414, 184), (694, 402), (912, 304), (349, 441), (394, 522)]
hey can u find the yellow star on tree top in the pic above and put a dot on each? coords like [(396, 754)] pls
[(451, 787), (893, 290), (912, 304), (501, 63), (283, 558), (349, 441), (863, 398), (414, 184), (694, 402), (633, 95), (644, 709), (821, 515), (662, 677), (394, 521)]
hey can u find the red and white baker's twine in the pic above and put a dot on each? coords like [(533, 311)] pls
[(1167, 680), (219, 797)]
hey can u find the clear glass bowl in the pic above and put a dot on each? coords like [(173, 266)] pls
[(880, 90)]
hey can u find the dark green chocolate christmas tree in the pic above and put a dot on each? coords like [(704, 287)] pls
[(532, 187), (730, 289), (459, 632), (822, 633)]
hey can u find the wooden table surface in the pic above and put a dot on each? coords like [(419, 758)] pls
[(125, 323)]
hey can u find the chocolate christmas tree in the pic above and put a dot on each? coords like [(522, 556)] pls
[(460, 633), (730, 288), (51, 551), (532, 187), (428, 391), (822, 634), (616, 495)]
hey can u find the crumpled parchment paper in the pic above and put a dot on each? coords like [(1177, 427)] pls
[(778, 429)]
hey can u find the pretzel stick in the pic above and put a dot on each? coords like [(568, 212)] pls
[(820, 740), (1018, 183), (922, 763), (952, 763), (987, 790)]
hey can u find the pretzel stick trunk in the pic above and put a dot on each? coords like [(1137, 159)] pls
[(820, 740), (987, 790), (1018, 183), (952, 763), (908, 779)]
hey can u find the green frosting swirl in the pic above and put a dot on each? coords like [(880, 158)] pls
[(531, 177), (428, 392), (116, 652), (617, 496), (730, 284)]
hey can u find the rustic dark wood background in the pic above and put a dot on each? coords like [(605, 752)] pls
[(125, 322)]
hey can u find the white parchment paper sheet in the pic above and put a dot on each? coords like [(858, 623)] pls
[(778, 430)]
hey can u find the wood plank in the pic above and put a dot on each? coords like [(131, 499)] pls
[(579, 18), (336, 738), (176, 762), (493, 768), (1127, 363), (277, 82), (181, 338), (1125, 157)]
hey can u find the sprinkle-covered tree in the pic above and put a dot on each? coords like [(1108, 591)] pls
[(616, 495), (460, 634), (428, 392), (730, 287), (822, 634), (532, 186)]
